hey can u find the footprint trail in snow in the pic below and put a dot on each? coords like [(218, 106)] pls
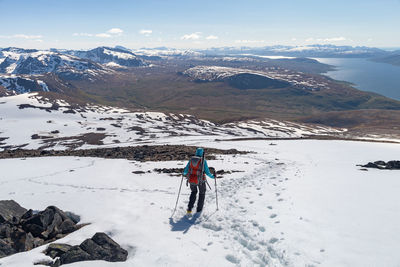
[(246, 211)]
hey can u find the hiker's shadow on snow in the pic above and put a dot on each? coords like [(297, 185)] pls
[(184, 223)]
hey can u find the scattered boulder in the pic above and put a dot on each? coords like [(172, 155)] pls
[(6, 248), (99, 247), (22, 241), (382, 165), (75, 218), (220, 173), (22, 230), (10, 211), (55, 250), (138, 172), (69, 111), (75, 254), (393, 164), (170, 170)]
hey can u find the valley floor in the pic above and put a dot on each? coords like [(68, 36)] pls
[(293, 203)]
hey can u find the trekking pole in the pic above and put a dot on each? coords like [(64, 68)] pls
[(216, 192), (208, 184), (177, 199)]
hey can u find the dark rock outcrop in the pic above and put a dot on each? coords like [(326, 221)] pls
[(22, 230), (138, 153), (382, 165), (99, 247)]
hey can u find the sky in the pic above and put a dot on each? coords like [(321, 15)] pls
[(87, 24)]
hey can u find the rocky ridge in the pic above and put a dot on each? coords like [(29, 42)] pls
[(22, 230), (139, 153)]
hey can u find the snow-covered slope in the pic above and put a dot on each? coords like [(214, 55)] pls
[(22, 83), (58, 125), (297, 203), (288, 203)]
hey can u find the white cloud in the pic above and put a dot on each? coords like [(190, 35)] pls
[(103, 35), (34, 38), (335, 39), (212, 37), (117, 31), (24, 36), (21, 36), (146, 32), (326, 40), (83, 34), (192, 36), (249, 41), (114, 32)]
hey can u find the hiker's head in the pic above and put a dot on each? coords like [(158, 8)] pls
[(199, 152)]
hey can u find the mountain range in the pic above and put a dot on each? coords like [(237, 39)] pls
[(315, 50), (219, 84)]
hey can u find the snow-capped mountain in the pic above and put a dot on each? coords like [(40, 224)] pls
[(315, 50), (165, 52), (24, 70), (112, 57), (21, 61)]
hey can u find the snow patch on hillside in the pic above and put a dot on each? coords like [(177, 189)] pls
[(57, 125), (217, 73)]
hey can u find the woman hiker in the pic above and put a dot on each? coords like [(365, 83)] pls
[(196, 170)]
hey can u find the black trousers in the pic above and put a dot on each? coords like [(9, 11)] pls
[(202, 189)]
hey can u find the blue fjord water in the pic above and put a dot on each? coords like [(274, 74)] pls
[(366, 75)]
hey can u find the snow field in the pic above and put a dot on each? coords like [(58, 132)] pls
[(295, 203)]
